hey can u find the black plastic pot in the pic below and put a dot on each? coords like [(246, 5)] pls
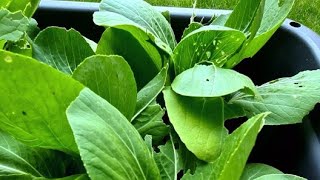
[(292, 148)]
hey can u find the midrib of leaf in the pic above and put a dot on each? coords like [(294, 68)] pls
[(22, 160), (124, 130), (175, 159), (11, 169), (235, 149)]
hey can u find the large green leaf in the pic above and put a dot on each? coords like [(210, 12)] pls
[(110, 147), (19, 159), (142, 56), (234, 155), (280, 177), (208, 43), (168, 161), (12, 25), (255, 170), (28, 7), (60, 48), (111, 78), (150, 122), (288, 99), (148, 93), (136, 16), (34, 98), (211, 81), (199, 123)]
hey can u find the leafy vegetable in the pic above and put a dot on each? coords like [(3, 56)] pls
[(21, 160), (199, 123), (136, 16), (210, 81), (109, 145), (12, 25), (67, 50), (34, 98), (150, 122), (28, 7), (168, 161), (255, 170), (235, 152), (142, 56), (208, 43), (111, 78), (289, 99), (88, 110)]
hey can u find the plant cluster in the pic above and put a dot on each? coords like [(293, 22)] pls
[(137, 104)]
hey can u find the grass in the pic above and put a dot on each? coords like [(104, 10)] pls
[(306, 12)]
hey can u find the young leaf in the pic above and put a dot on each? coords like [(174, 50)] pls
[(288, 99), (199, 123), (168, 161), (34, 98), (234, 155), (244, 14), (28, 7), (272, 18), (110, 147), (208, 43), (255, 170), (19, 159), (150, 122), (12, 25), (210, 81), (142, 56), (111, 78), (280, 177), (136, 16), (60, 48), (148, 93), (232, 111)]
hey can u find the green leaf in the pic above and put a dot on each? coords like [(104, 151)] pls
[(255, 170), (111, 78), (188, 159), (199, 123), (208, 43), (288, 99), (168, 161), (148, 93), (210, 81), (28, 7), (149, 122), (34, 98), (72, 177), (60, 48), (136, 16), (220, 20), (191, 27), (110, 147), (234, 155), (12, 25), (244, 14), (272, 18), (143, 57), (232, 111), (280, 177), (19, 159)]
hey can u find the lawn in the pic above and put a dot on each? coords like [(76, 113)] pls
[(306, 12)]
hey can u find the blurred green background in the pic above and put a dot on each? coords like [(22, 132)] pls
[(306, 12)]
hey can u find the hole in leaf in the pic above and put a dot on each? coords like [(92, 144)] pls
[(207, 80), (24, 113), (300, 86), (296, 83)]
